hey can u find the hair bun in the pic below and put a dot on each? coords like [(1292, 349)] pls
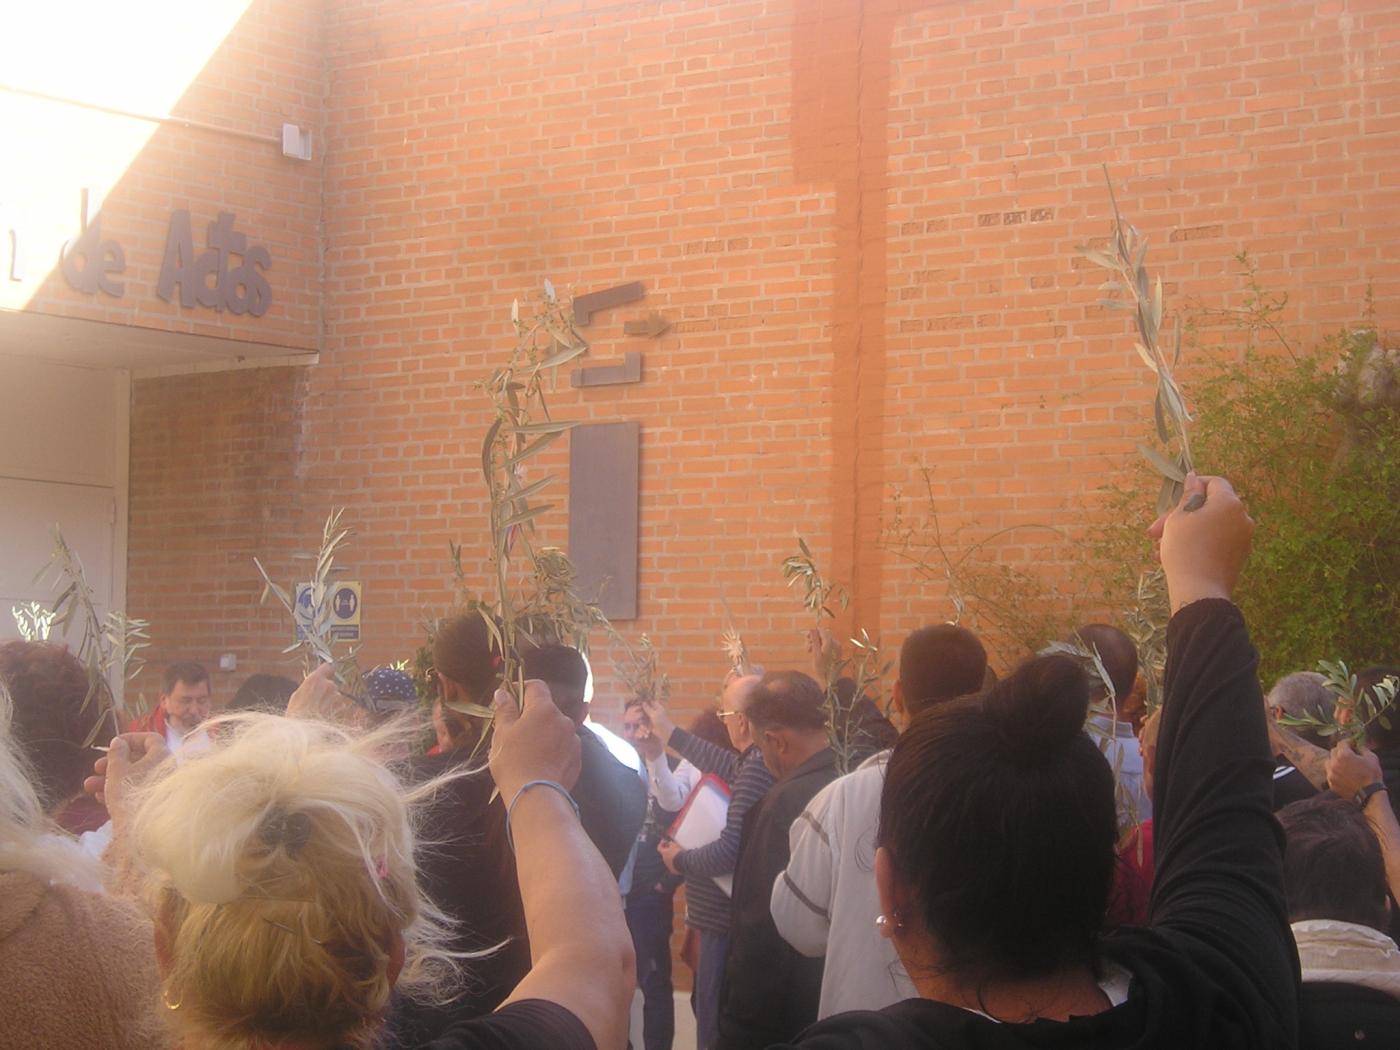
[(1041, 705), (285, 830)]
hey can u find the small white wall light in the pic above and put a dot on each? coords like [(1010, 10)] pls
[(296, 142)]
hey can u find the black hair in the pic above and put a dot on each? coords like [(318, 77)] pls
[(787, 700), (263, 692), (1332, 865), (998, 812), (464, 651), (1118, 653), (869, 727), (563, 669), (186, 671), (940, 662), (48, 687)]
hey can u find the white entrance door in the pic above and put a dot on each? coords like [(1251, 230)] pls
[(63, 462)]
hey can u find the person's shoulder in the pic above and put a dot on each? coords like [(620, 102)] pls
[(108, 918), (528, 1024), (914, 1024), (599, 765), (21, 896), (869, 775), (801, 785), (752, 771), (619, 749), (855, 796), (879, 760)]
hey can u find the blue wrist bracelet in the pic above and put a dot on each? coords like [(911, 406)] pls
[(554, 785)]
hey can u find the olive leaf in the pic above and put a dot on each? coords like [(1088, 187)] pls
[(1163, 465), (465, 708), (33, 621)]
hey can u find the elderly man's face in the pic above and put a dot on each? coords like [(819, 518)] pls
[(186, 706), (733, 701)]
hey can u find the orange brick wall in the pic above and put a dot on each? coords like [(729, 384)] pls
[(861, 221), (214, 482), (267, 71)]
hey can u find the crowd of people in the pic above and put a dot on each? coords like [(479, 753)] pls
[(1025, 861)]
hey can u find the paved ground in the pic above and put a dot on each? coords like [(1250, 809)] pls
[(685, 1023)]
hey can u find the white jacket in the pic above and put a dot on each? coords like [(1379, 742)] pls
[(1331, 951), (826, 902)]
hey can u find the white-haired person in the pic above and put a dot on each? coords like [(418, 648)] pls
[(280, 868), (79, 967)]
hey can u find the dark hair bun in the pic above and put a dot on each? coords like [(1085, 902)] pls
[(1041, 706)]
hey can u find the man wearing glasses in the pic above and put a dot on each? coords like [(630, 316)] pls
[(749, 780)]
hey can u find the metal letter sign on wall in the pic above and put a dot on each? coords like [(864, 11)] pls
[(89, 262), (210, 279), (227, 275)]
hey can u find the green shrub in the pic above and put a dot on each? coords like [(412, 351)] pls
[(1311, 441)]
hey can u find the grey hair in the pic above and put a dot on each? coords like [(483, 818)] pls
[(1302, 693)]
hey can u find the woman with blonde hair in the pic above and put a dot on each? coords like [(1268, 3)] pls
[(287, 909), (79, 967)]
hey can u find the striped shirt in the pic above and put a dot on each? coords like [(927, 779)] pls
[(708, 906)]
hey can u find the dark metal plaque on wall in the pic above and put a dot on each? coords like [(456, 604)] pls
[(604, 478)]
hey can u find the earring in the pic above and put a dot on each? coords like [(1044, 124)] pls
[(887, 924), (165, 998)]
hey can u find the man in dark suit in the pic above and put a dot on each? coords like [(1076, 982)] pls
[(770, 991), (611, 797)]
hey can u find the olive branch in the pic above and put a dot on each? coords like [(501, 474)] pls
[(641, 673), (1360, 708), (1131, 288), (733, 643), (522, 429), (1003, 602), (317, 639), (818, 593), (843, 729), (109, 648)]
